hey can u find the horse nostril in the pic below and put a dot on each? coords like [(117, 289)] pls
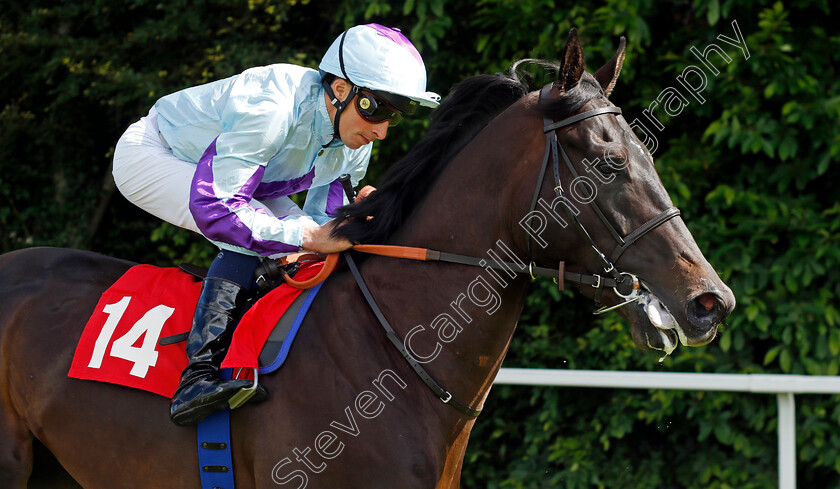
[(707, 301), (705, 309)]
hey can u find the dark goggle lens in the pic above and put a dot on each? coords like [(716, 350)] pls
[(375, 111)]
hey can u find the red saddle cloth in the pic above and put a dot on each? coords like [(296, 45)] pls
[(119, 344)]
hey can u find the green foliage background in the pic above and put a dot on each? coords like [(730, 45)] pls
[(754, 169)]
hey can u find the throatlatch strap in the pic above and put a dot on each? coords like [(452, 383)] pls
[(439, 391)]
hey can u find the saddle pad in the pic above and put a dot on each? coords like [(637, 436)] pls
[(120, 341), (120, 345)]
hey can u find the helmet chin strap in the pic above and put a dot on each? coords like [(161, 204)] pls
[(338, 104)]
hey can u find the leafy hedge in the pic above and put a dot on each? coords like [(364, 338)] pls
[(754, 169)]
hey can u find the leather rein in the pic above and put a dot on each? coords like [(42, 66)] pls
[(612, 278)]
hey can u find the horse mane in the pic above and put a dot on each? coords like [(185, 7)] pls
[(586, 89), (469, 107)]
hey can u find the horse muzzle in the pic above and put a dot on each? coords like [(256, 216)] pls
[(695, 323)]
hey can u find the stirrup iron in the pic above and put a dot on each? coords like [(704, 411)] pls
[(244, 394)]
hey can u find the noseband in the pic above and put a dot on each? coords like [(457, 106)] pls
[(552, 149)]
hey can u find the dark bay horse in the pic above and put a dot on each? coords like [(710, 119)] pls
[(347, 410)]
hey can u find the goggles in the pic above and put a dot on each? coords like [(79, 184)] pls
[(374, 110)]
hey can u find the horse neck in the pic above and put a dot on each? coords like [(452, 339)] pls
[(467, 313)]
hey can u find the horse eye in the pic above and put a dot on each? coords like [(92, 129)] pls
[(615, 159), (607, 168)]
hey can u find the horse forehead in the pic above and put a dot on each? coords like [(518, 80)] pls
[(606, 132), (610, 124), (611, 136)]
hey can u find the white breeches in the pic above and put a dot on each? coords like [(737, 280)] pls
[(150, 176)]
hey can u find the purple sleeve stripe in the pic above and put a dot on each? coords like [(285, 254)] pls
[(216, 218), (335, 198), (275, 190)]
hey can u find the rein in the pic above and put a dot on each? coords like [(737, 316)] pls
[(613, 278), (439, 391), (424, 254), (559, 274)]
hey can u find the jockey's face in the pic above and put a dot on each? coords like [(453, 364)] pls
[(354, 129)]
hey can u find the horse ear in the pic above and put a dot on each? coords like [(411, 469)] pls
[(607, 75), (572, 68)]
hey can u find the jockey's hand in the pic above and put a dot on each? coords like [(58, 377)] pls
[(364, 192), (320, 239)]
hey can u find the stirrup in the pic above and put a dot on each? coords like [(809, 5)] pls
[(245, 394)]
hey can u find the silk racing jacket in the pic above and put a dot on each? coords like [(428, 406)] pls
[(259, 136)]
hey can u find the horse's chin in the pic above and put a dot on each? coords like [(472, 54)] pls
[(655, 328)]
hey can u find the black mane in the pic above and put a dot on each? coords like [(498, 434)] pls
[(469, 107)]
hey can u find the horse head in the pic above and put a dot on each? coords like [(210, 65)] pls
[(611, 210), (485, 145)]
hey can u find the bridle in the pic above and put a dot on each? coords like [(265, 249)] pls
[(613, 279), (552, 148)]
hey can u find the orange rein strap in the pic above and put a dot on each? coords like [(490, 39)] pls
[(560, 274), (332, 260), (422, 254), (329, 266)]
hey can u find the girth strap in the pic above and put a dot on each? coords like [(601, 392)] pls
[(439, 391)]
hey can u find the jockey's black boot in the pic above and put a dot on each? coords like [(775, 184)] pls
[(201, 391)]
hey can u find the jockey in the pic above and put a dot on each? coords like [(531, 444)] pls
[(222, 158)]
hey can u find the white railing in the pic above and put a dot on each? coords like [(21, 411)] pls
[(784, 386)]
